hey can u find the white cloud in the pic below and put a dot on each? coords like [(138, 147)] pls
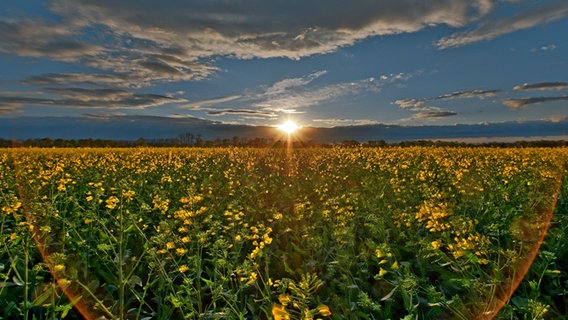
[(286, 84), (299, 96), (490, 29), (202, 104)]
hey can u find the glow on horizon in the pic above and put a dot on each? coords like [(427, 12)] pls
[(289, 127)]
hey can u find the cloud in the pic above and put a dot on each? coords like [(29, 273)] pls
[(7, 109), (293, 94), (345, 122), (240, 111), (416, 104), (551, 47), (434, 114), (246, 29), (143, 43), (35, 38), (202, 104), (286, 84), (542, 86), (519, 103), (90, 98), (556, 119), (490, 29), (79, 78), (85, 95)]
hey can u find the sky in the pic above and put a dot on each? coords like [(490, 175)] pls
[(321, 63)]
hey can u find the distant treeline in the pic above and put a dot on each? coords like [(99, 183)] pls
[(189, 140)]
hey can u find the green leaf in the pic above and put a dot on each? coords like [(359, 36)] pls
[(389, 295), (104, 246)]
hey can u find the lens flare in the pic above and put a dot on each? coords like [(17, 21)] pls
[(289, 127)]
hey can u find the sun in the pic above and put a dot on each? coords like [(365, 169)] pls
[(289, 127)]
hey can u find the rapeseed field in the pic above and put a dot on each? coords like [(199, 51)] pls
[(270, 233)]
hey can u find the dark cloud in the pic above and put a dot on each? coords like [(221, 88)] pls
[(141, 42), (418, 102), (82, 94), (91, 98), (435, 114), (15, 101), (519, 103), (78, 78), (160, 68), (239, 111), (40, 39), (345, 122), (542, 86), (468, 94)]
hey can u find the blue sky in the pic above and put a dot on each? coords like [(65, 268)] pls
[(322, 63)]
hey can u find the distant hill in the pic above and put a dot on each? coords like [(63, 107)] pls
[(152, 127)]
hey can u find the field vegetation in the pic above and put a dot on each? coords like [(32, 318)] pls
[(274, 233)]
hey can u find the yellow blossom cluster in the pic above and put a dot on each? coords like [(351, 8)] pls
[(258, 246), (434, 215)]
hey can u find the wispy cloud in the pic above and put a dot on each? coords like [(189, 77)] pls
[(240, 111), (344, 122), (122, 80), (519, 103), (89, 98), (203, 104), (542, 86), (8, 109), (299, 96), (434, 114), (556, 119), (287, 84), (416, 104), (35, 38), (491, 29)]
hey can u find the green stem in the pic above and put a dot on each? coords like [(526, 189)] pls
[(121, 283), (26, 289)]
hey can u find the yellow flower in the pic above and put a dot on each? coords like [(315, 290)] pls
[(63, 283), (252, 278), (14, 236), (59, 268), (284, 299), (279, 313), (170, 245), (89, 198), (183, 268), (111, 202), (382, 272), (181, 251), (324, 310), (436, 244), (395, 265)]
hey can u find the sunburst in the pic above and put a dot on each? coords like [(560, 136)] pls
[(289, 127)]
